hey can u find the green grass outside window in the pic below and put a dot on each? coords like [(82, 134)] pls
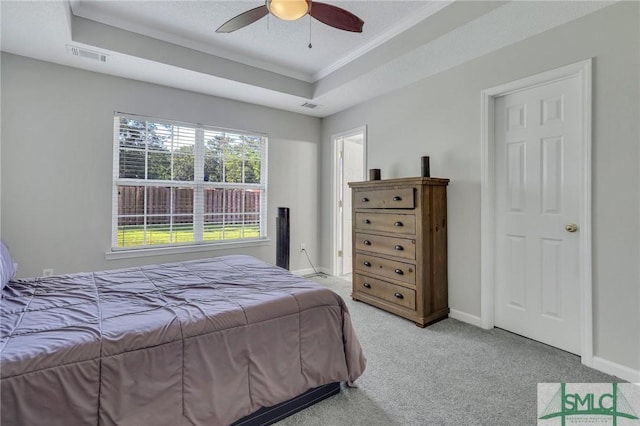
[(133, 236)]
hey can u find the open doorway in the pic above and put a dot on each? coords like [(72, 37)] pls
[(349, 166)]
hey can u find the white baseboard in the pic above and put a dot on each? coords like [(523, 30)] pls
[(614, 369), (465, 317), (326, 271), (303, 272), (597, 363), (309, 271)]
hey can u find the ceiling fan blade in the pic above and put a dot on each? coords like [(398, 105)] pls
[(244, 19), (336, 17)]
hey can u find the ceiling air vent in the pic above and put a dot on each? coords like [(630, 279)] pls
[(309, 105), (88, 54)]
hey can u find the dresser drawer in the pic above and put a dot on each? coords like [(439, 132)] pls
[(396, 294), (404, 272), (401, 198), (386, 222), (392, 246)]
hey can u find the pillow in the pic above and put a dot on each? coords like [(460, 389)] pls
[(7, 265)]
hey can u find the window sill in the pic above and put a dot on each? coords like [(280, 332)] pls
[(166, 251)]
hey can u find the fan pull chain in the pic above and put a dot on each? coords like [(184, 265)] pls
[(310, 45)]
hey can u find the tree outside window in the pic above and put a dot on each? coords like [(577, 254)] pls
[(178, 183)]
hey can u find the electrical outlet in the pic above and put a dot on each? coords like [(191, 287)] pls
[(47, 272), (302, 247)]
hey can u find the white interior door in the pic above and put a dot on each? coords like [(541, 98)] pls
[(538, 172), (350, 167)]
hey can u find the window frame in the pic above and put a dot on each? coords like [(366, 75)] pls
[(199, 185)]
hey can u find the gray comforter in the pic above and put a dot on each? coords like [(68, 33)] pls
[(202, 342)]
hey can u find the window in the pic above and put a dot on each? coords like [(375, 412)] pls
[(179, 184)]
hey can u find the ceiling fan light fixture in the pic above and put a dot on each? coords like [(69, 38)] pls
[(289, 10)]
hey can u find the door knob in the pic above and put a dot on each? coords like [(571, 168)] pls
[(571, 227)]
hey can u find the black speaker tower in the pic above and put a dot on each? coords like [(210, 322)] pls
[(282, 241)]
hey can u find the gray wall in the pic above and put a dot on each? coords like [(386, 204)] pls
[(440, 116), (57, 156)]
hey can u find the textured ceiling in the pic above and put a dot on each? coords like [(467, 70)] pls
[(173, 43), (269, 43)]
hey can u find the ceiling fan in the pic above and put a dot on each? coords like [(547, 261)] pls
[(291, 10)]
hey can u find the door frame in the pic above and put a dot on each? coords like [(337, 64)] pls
[(582, 71), (336, 218)]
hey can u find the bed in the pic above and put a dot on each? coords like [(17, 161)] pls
[(217, 341)]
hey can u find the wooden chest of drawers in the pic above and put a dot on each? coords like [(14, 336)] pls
[(400, 246)]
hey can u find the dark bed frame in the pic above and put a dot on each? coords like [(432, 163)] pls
[(269, 415)]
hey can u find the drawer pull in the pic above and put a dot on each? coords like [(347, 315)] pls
[(367, 221), (399, 247), (366, 285), (365, 200), (366, 263), (368, 243), (397, 198), (398, 295), (398, 224), (399, 271)]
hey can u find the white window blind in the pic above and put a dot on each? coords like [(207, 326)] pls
[(179, 183)]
